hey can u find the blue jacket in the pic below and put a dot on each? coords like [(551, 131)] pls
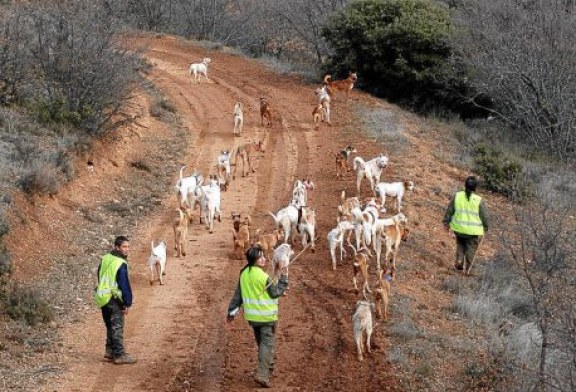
[(123, 281)]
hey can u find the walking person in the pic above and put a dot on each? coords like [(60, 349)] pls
[(114, 296), (466, 216), (258, 296)]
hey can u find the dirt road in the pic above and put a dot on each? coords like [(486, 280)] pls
[(177, 331)]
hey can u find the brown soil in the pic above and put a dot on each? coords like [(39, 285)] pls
[(177, 331)]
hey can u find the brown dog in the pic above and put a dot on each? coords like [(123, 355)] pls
[(269, 241), (242, 237), (345, 85), (317, 116), (382, 295), (393, 235), (265, 112), (180, 227), (246, 152), (360, 265)]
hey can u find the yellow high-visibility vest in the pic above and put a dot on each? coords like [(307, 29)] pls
[(466, 218), (107, 285), (257, 303)]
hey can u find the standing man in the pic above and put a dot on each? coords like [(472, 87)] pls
[(258, 296), (466, 216), (114, 296)]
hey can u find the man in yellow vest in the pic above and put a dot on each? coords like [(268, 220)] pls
[(114, 296), (466, 216), (258, 296)]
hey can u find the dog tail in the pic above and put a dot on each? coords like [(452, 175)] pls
[(343, 196), (327, 79), (276, 220), (358, 161), (182, 171)]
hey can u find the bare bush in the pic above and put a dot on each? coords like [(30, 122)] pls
[(522, 56), (62, 61), (26, 304)]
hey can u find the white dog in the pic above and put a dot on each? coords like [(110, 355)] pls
[(185, 186), (287, 220), (224, 171), (336, 239), (157, 261), (198, 69), (238, 118), (324, 100), (362, 320), (300, 192), (394, 190), (211, 202), (372, 170), (363, 220), (281, 258)]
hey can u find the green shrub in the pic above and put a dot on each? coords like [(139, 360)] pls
[(26, 304), (499, 173), (398, 47), (57, 111)]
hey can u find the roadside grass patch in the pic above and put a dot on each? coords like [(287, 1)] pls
[(385, 126)]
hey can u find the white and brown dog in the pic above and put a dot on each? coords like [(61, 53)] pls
[(395, 190), (342, 166), (269, 241), (345, 85), (238, 118), (157, 262), (324, 104), (347, 205), (198, 69), (372, 170), (224, 170)]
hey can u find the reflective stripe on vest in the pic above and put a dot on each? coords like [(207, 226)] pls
[(107, 284), (257, 303), (466, 218)]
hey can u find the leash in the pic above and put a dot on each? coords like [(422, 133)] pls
[(291, 261)]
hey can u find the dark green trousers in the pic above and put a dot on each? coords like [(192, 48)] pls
[(466, 247), (114, 320), (265, 339)]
